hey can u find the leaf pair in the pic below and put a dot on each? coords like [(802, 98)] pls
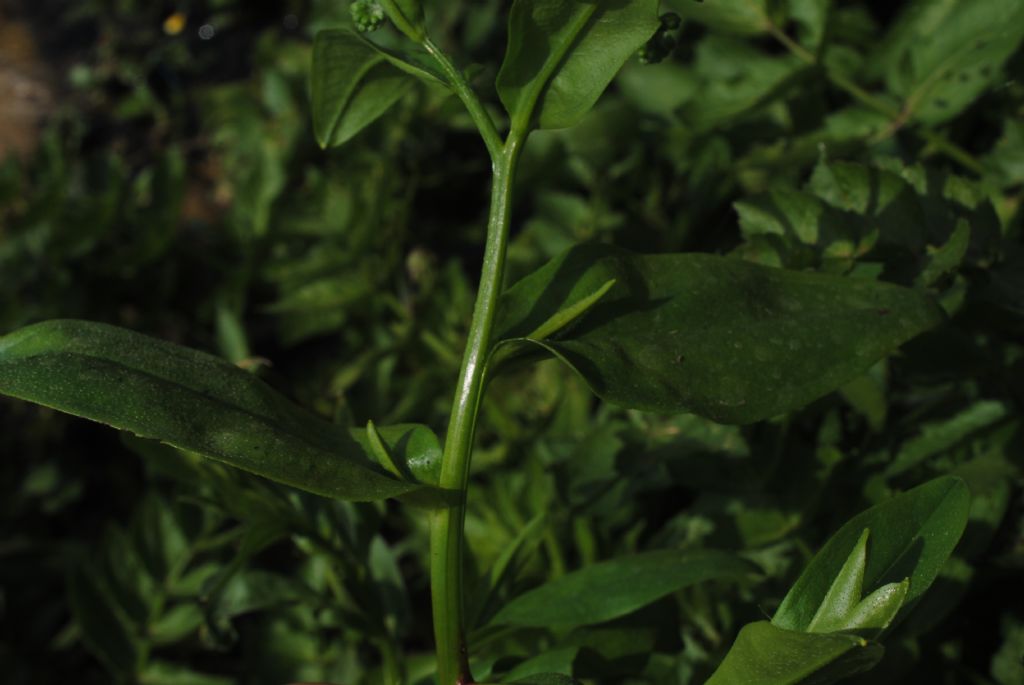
[(561, 56), (818, 633)]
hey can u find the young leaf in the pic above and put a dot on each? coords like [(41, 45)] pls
[(353, 84), (912, 535), (764, 654), (876, 612), (844, 594), (619, 586), (844, 610), (729, 340), (201, 403), (562, 54)]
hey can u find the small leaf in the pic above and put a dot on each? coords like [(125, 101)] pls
[(912, 535), (764, 654), (619, 586), (727, 339), (947, 258), (875, 612), (562, 54), (198, 402), (353, 85), (845, 592)]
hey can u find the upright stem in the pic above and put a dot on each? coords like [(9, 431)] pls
[(446, 528)]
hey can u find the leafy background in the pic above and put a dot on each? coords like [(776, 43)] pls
[(160, 172)]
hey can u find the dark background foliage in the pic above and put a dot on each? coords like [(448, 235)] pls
[(159, 172)]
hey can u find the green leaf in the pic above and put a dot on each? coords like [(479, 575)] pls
[(198, 402), (941, 56), (842, 609), (562, 54), (764, 654), (948, 257), (729, 340), (844, 593), (353, 85), (741, 17), (616, 587), (912, 535)]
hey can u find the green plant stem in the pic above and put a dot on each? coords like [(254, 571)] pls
[(476, 109), (447, 524), (898, 117)]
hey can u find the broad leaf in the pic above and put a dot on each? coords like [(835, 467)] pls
[(764, 654), (619, 586), (941, 56), (729, 340), (912, 535), (201, 403), (562, 54), (353, 84)]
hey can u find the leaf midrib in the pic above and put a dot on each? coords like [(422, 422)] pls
[(266, 421)]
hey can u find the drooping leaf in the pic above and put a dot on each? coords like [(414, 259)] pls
[(912, 535), (720, 337), (764, 654), (562, 54), (199, 402), (616, 587), (352, 84)]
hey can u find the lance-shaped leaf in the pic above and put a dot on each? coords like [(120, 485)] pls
[(617, 587), (730, 340), (198, 402), (912, 535), (843, 609), (353, 84), (562, 54), (764, 654)]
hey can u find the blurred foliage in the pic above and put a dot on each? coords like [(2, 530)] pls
[(177, 189)]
